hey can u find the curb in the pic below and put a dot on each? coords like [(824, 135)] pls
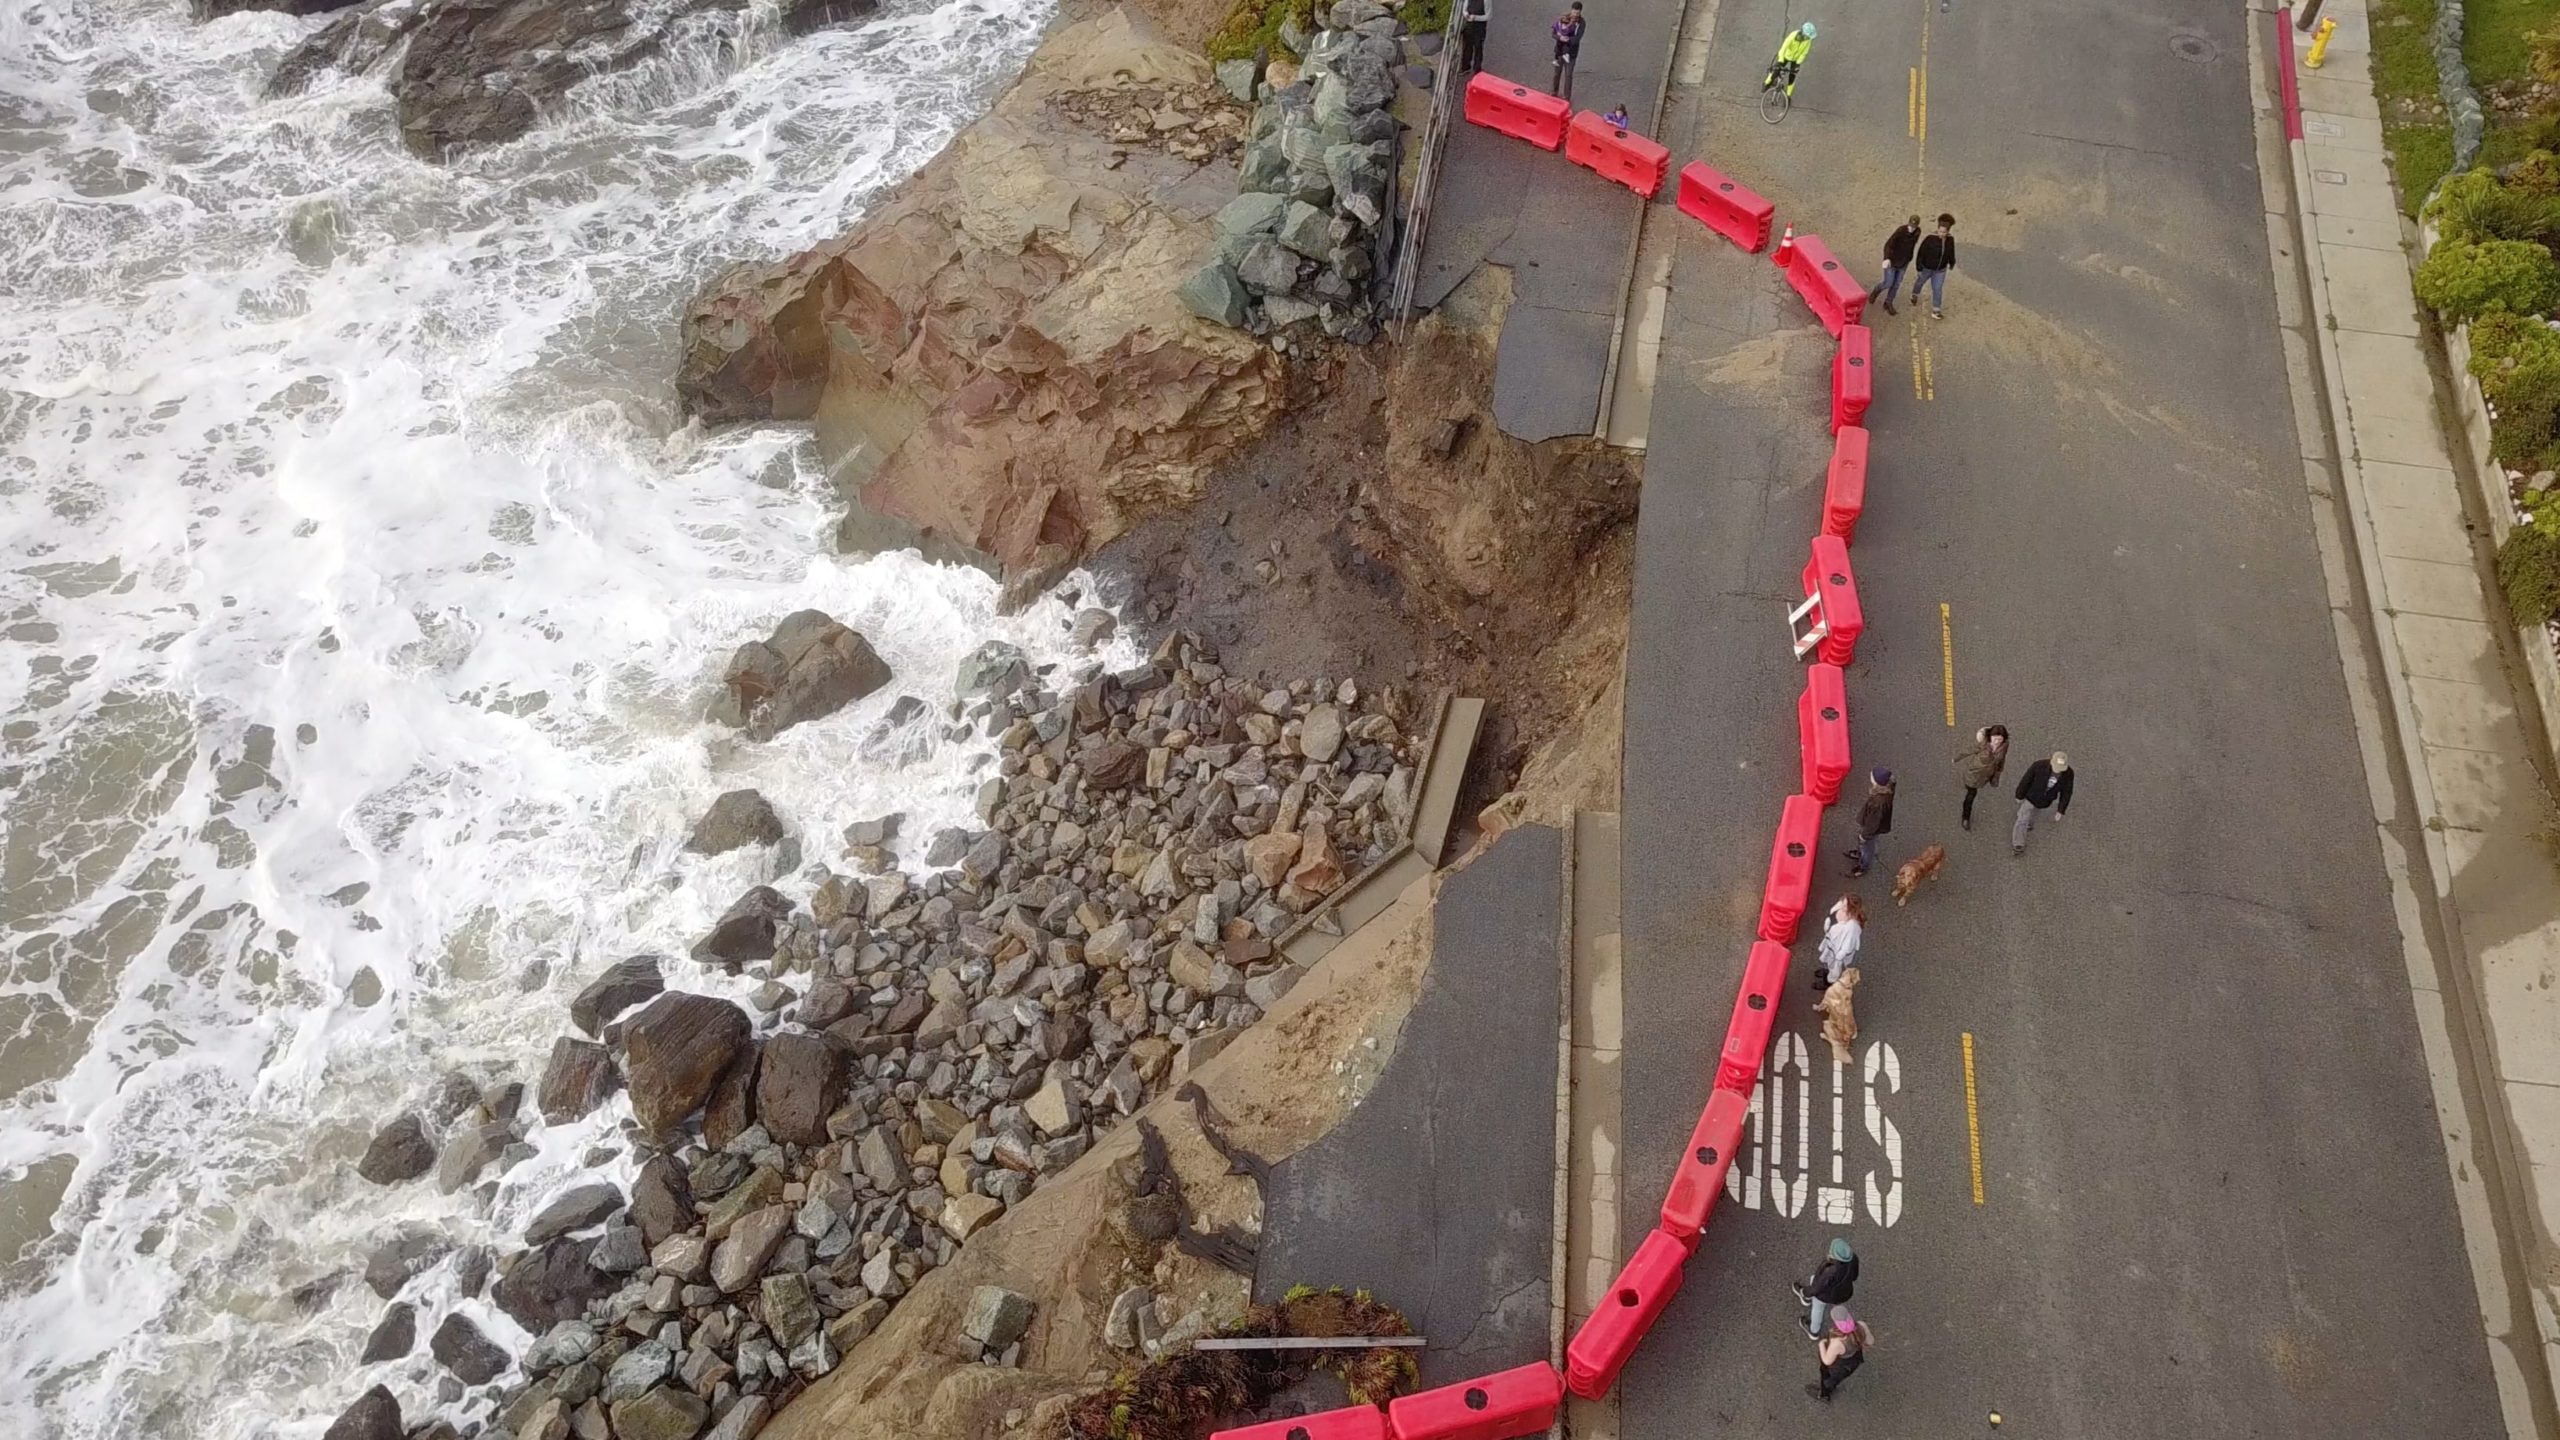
[(2456, 969)]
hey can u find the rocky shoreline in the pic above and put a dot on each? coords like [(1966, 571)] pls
[(921, 1051)]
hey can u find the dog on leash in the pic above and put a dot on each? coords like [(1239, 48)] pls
[(1919, 868)]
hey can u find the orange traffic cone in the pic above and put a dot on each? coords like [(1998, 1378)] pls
[(1786, 248)]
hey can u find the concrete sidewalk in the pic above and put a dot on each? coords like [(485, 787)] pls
[(2449, 663)]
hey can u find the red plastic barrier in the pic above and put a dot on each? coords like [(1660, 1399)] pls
[(1725, 207), (1517, 111), (1755, 1010), (1853, 378), (1352, 1422), (1822, 731), (1635, 1300), (1844, 485), (1790, 869), (1700, 1178), (1829, 574), (1491, 1407), (1835, 295), (1617, 154)]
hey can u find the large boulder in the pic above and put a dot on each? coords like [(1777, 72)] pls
[(673, 1053), (554, 1283), (576, 1081), (483, 72), (623, 984), (997, 358), (747, 932), (217, 9), (800, 1081), (575, 1209), (474, 1358), (810, 666), (355, 42), (374, 1416), (410, 1252), (399, 1151), (739, 818)]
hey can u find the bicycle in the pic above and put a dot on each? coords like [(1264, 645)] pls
[(1777, 98)]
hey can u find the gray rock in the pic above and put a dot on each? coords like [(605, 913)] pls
[(661, 1200), (855, 1325), (1251, 213), (674, 1052), (1358, 171), (996, 1317), (750, 1244), (687, 1257), (374, 1416), (743, 1419), (620, 1252), (551, 1284), (800, 1081), (405, 1254), (394, 1336), (1238, 77), (664, 1413), (399, 1151), (883, 1160), (815, 1355), (790, 1312), (548, 1420), (1266, 990), (747, 933), (1306, 230), (738, 819), (468, 1150), (473, 1358), (1283, 311), (562, 1345), (575, 1081), (623, 984), (809, 667), (640, 1367), (1092, 627), (1320, 733), (573, 1210), (1265, 166), (1268, 268), (1120, 1330), (992, 671)]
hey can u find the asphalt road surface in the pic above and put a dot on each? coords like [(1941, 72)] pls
[(2211, 1201)]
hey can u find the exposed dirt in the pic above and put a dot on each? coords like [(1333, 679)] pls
[(1387, 531)]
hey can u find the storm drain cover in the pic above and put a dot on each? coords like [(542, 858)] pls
[(2188, 45)]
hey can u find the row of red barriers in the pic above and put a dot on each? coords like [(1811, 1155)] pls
[(1503, 1406), (1524, 1401)]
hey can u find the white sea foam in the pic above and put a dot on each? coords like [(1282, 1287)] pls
[(358, 601)]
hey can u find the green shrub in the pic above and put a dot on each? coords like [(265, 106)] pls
[(2527, 395), (2498, 337), (2529, 573), (1254, 25), (2476, 206), (2467, 280)]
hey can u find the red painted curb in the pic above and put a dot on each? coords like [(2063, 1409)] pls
[(2287, 85)]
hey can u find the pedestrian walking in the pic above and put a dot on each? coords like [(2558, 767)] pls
[(1875, 817), (1934, 258), (1843, 928), (1980, 764), (1473, 17), (1840, 1353), (1898, 250), (1568, 35), (1840, 1014), (2045, 786), (1831, 1283)]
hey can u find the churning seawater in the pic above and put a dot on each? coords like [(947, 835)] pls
[(359, 596)]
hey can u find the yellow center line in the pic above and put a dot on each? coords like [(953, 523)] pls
[(1920, 107), (1972, 1118), (1947, 651), (1912, 123)]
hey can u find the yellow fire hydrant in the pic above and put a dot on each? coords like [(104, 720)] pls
[(2320, 44)]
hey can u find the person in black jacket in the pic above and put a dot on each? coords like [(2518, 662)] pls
[(1832, 1283), (1473, 17), (1936, 256), (1875, 817), (1568, 37), (2045, 786), (1898, 249)]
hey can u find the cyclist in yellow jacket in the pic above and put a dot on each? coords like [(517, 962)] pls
[(1791, 57)]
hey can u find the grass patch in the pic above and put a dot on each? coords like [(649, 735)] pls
[(1424, 17), (2414, 129), (1253, 27)]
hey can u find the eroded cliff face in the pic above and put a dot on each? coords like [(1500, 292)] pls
[(996, 358)]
